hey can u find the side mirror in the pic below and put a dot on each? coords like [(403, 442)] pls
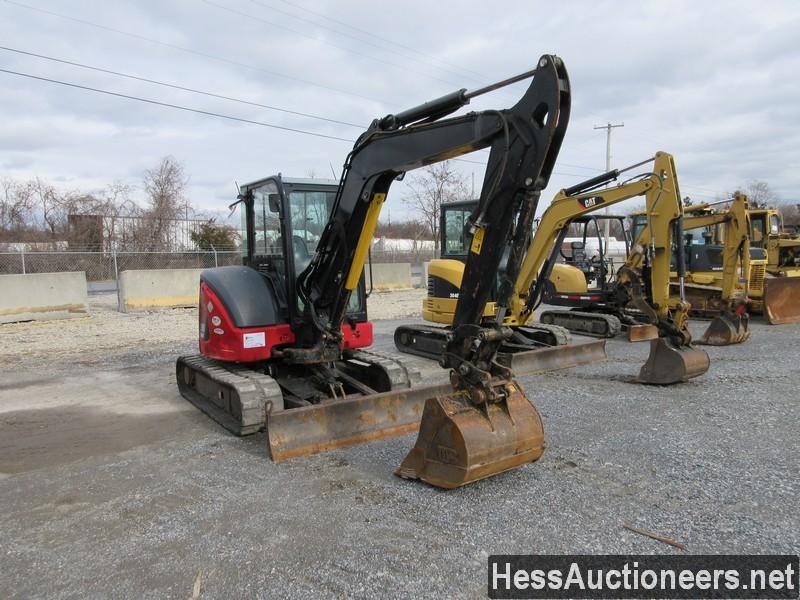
[(274, 202)]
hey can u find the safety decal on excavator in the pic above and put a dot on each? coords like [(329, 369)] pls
[(477, 241)]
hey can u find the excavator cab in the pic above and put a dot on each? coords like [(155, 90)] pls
[(283, 219), (584, 250), (248, 314)]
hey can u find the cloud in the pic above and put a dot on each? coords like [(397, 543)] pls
[(713, 83)]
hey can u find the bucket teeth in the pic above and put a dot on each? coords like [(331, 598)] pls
[(669, 363), (459, 443), (726, 329)]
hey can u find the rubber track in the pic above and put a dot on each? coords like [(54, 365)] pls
[(574, 321), (560, 334), (244, 392), (400, 375)]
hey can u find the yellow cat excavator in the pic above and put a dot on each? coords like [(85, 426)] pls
[(773, 284), (279, 337), (643, 281), (714, 271)]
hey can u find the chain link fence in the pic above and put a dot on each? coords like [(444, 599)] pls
[(102, 268), (106, 266)]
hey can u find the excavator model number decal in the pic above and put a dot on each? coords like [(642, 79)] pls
[(477, 241)]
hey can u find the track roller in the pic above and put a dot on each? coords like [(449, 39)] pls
[(583, 323)]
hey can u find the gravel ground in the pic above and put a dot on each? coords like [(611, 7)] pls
[(106, 332), (114, 486)]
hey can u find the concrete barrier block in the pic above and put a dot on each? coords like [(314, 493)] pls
[(389, 276), (158, 288), (42, 296)]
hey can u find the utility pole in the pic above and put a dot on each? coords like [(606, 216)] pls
[(607, 226)]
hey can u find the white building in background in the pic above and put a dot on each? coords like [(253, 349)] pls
[(384, 244)]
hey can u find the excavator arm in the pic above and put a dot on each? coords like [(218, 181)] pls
[(563, 210), (736, 249), (524, 142), (643, 281), (730, 326), (485, 424)]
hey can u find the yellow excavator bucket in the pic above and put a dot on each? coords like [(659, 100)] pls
[(459, 443), (782, 300), (725, 329), (669, 363)]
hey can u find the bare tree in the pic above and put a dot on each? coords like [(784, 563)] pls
[(56, 205), (165, 187), (438, 184), (16, 206), (759, 194), (113, 204), (791, 215)]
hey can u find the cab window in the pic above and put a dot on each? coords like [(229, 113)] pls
[(267, 224), (757, 228), (309, 213), (774, 225), (455, 238)]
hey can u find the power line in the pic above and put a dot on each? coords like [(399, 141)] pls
[(211, 113), (360, 39), (381, 38), (343, 48), (178, 87), (175, 106), (190, 51)]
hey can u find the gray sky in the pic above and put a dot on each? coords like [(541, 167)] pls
[(714, 83)]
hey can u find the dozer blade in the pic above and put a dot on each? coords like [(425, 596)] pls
[(459, 443), (313, 429), (642, 333), (726, 329), (668, 363), (782, 300), (531, 362)]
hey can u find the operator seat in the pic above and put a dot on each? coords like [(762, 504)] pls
[(580, 260), (301, 254)]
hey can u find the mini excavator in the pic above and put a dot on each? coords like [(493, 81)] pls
[(285, 335), (532, 348), (713, 271), (642, 282)]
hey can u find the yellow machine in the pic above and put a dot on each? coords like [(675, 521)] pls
[(713, 271), (643, 281), (781, 297), (773, 284)]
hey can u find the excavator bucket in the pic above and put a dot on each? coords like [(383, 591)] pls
[(725, 329), (326, 426), (642, 333), (669, 363), (459, 443), (782, 300)]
